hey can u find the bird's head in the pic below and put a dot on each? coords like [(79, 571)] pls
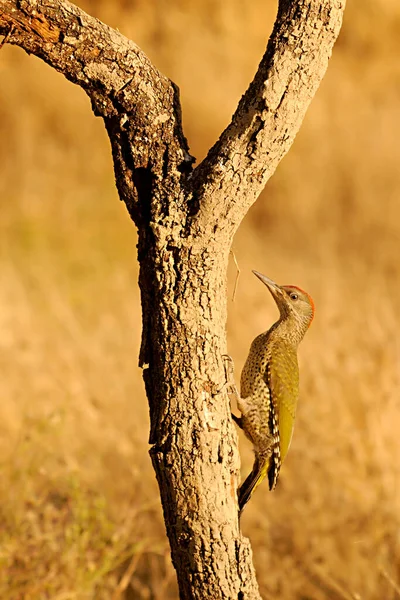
[(293, 302)]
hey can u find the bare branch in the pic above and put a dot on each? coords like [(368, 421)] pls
[(139, 105), (269, 114), (85, 50)]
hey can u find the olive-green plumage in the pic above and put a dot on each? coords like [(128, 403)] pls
[(269, 386)]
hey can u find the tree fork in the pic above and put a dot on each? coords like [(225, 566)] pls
[(186, 219)]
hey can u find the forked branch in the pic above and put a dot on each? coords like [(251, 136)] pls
[(121, 81)]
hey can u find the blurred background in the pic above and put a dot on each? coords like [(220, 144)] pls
[(79, 502)]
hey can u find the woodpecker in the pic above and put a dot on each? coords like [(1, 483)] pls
[(269, 386)]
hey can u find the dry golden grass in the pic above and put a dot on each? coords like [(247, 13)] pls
[(79, 499)]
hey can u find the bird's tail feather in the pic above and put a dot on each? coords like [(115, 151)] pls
[(258, 473)]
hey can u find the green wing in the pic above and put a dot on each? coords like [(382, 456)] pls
[(283, 379)]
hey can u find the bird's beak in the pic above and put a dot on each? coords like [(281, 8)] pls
[(271, 285)]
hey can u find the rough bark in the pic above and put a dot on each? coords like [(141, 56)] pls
[(186, 220)]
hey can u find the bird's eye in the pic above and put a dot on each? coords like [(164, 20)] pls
[(293, 296)]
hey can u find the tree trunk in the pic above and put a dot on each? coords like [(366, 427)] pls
[(186, 220)]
